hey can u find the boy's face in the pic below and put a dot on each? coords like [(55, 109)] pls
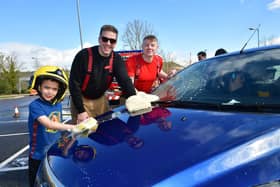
[(49, 89), (149, 47)]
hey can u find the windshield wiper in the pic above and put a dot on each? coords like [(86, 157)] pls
[(231, 102), (232, 105), (180, 103)]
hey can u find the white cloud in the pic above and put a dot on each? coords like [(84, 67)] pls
[(275, 41), (27, 54), (275, 4)]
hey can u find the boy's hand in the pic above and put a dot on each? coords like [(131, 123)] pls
[(86, 127)]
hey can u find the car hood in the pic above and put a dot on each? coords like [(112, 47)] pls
[(172, 147)]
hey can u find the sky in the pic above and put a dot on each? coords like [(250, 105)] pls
[(47, 32)]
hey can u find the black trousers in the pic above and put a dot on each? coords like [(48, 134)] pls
[(32, 170)]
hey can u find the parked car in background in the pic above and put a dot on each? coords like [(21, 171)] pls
[(217, 124)]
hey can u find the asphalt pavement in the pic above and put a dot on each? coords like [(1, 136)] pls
[(14, 142)]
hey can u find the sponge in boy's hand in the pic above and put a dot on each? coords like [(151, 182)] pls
[(85, 127)]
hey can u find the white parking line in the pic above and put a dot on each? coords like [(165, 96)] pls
[(13, 169), (13, 121), (8, 160), (13, 134)]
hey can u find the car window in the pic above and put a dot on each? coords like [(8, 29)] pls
[(251, 78)]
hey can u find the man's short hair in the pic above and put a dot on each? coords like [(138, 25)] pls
[(150, 37), (201, 53), (220, 51), (108, 28)]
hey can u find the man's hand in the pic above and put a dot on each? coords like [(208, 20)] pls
[(140, 103), (171, 73), (149, 97), (86, 127)]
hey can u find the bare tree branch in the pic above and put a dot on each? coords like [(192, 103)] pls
[(134, 33)]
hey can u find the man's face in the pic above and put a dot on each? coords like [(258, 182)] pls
[(201, 57), (107, 42), (149, 47)]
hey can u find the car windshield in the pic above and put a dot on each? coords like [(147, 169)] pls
[(251, 78)]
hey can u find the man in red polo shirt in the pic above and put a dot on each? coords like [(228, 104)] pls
[(145, 69)]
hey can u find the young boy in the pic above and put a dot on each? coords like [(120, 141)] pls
[(45, 114)]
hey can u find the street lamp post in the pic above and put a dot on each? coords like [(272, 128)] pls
[(36, 62), (257, 29), (80, 29)]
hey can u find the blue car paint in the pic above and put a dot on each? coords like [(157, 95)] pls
[(202, 147), (231, 163), (205, 141)]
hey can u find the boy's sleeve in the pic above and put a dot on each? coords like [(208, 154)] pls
[(36, 111)]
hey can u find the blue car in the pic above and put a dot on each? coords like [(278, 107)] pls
[(217, 124)]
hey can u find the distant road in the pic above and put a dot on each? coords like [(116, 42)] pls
[(7, 108)]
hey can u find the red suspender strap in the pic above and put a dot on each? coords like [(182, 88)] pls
[(109, 78), (111, 63), (90, 62)]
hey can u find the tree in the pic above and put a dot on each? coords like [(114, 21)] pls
[(9, 71), (134, 33), (132, 40)]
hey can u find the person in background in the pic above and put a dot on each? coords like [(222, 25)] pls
[(145, 69), (89, 69), (45, 114), (201, 55), (220, 51)]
